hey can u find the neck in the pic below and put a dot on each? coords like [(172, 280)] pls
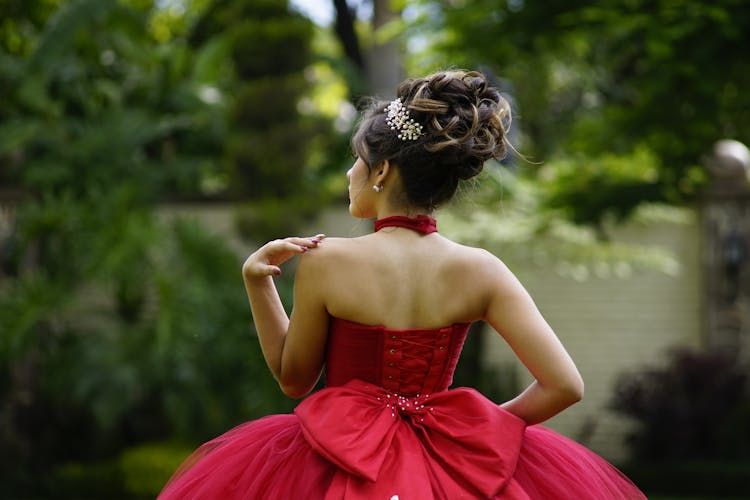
[(388, 208), (393, 201), (402, 213)]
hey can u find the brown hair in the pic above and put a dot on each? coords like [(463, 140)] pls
[(464, 123)]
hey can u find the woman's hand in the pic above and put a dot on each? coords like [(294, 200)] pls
[(266, 260)]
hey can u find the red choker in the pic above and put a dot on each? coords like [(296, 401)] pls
[(421, 223)]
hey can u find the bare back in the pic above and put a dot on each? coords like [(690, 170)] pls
[(401, 279)]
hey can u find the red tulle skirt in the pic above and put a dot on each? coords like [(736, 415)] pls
[(360, 442)]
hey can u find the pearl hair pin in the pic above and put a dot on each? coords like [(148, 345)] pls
[(399, 120)]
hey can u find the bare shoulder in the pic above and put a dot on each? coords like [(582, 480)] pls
[(486, 272), (331, 251), (474, 259)]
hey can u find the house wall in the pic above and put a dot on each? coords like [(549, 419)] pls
[(615, 325)]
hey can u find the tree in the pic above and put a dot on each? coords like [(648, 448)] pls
[(606, 77), (379, 64), (267, 51), (117, 329)]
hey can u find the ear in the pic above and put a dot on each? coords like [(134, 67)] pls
[(381, 172)]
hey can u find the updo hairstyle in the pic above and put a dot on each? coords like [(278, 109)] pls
[(464, 122)]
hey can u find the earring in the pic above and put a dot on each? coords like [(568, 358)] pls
[(377, 188)]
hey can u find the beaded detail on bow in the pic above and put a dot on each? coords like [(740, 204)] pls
[(407, 405)]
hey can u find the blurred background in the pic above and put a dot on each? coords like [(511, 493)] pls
[(148, 146)]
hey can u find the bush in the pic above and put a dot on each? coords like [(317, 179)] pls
[(139, 472), (81, 480), (692, 479), (146, 468), (692, 436), (696, 407)]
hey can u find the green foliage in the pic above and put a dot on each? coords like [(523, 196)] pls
[(656, 54), (117, 328), (77, 480), (514, 215), (263, 48), (602, 78), (592, 190), (180, 362), (62, 32), (146, 468), (22, 21), (138, 472), (272, 218), (266, 140)]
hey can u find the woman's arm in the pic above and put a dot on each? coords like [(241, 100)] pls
[(512, 312), (277, 335)]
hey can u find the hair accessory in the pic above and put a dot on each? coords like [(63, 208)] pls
[(398, 119), (377, 188)]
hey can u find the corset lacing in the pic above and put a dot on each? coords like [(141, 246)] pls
[(414, 361)]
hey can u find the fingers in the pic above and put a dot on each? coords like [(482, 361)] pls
[(265, 270), (266, 261), (253, 270), (306, 244)]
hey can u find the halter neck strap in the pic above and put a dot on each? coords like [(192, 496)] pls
[(421, 223)]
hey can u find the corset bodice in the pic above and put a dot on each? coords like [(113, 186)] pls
[(404, 362)]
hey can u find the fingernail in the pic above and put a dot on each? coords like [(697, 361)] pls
[(277, 272)]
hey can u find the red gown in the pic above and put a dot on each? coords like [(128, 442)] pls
[(386, 427)]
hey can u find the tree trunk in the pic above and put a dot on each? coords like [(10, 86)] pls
[(344, 28), (384, 68)]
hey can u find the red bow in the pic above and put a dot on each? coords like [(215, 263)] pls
[(451, 444)]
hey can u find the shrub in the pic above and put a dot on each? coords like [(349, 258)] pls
[(695, 407)]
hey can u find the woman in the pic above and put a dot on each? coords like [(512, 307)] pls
[(387, 314)]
